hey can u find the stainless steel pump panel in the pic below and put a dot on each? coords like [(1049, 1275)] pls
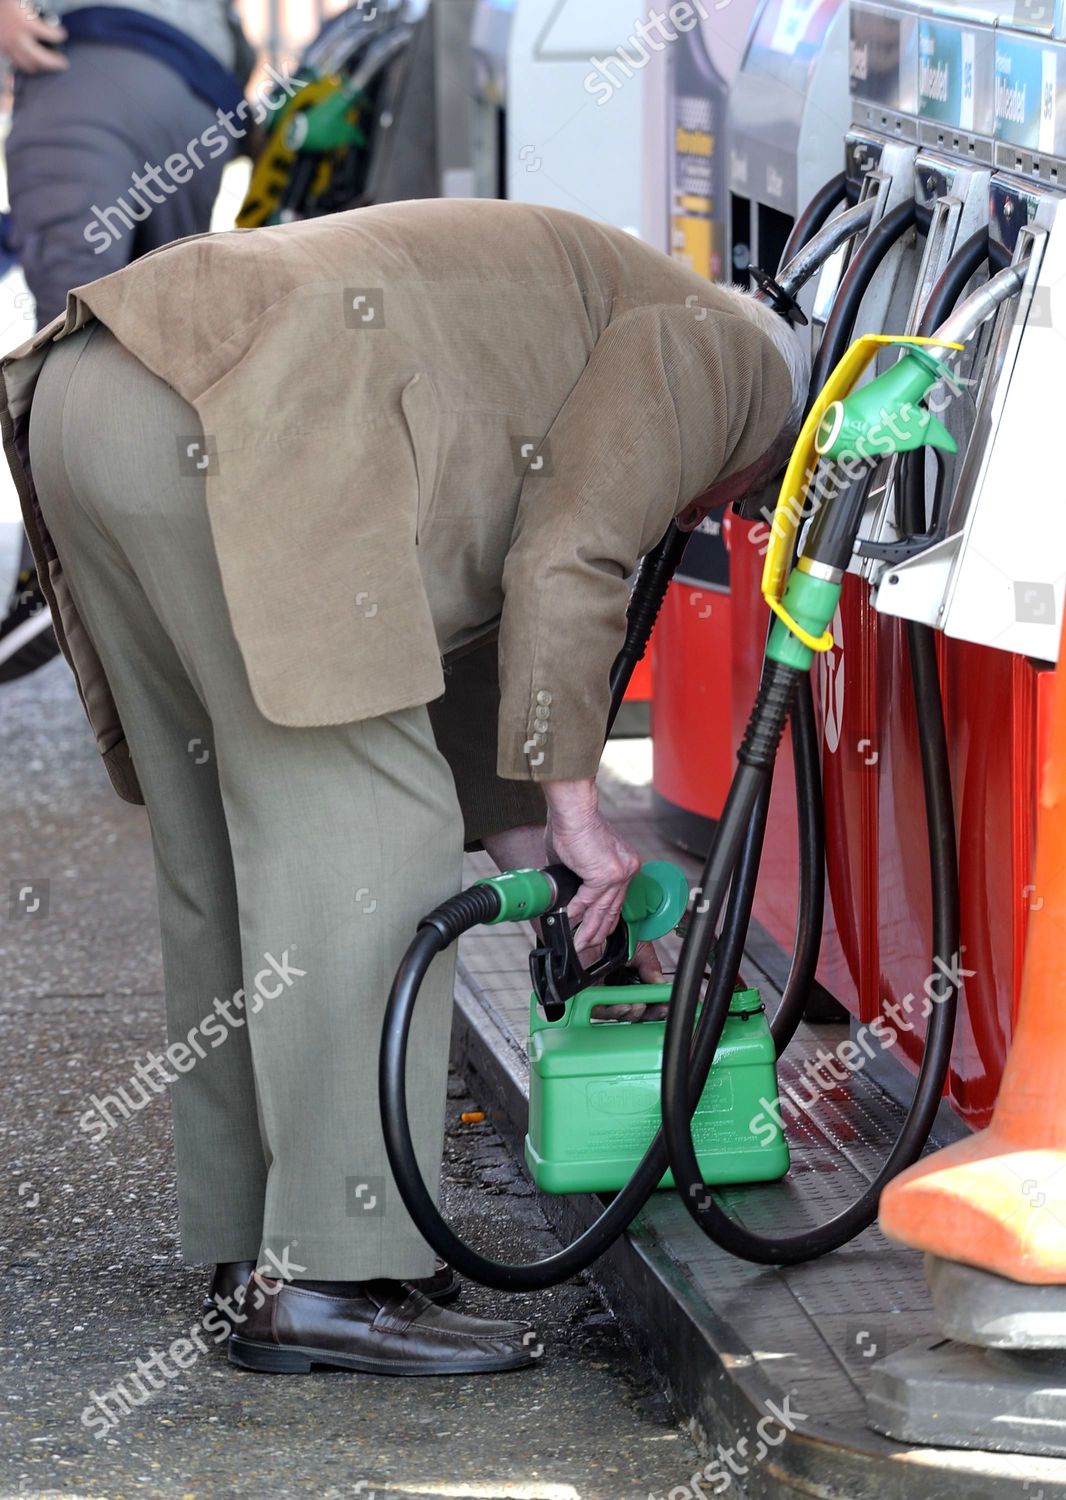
[(955, 84), (789, 100), (998, 577), (883, 69)]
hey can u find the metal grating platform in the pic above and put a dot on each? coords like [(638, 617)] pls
[(728, 1338)]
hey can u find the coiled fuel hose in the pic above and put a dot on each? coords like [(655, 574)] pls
[(691, 1052), (829, 546)]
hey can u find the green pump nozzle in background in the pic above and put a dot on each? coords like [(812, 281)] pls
[(328, 125), (885, 416)]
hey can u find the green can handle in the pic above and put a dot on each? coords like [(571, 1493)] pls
[(745, 1002), (579, 1009)]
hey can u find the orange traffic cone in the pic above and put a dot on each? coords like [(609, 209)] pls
[(998, 1200)]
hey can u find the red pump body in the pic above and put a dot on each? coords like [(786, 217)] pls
[(877, 939)]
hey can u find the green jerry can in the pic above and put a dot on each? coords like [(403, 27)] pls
[(594, 1095)]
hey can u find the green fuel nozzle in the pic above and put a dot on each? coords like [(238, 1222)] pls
[(885, 416), (327, 125), (654, 903), (855, 433)]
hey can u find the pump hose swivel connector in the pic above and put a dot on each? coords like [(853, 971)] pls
[(782, 302), (762, 738), (459, 913)]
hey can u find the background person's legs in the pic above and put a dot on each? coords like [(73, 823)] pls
[(336, 840)]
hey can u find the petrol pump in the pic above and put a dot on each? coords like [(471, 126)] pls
[(960, 114), (758, 100), (597, 102), (912, 570), (787, 111), (402, 99), (586, 117)]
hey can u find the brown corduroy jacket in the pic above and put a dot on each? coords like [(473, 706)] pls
[(425, 423)]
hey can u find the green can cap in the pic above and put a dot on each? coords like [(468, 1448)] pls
[(745, 1002)]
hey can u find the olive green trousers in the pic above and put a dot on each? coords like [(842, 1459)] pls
[(292, 863)]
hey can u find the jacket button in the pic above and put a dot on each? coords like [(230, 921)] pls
[(543, 697)]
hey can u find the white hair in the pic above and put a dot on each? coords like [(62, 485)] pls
[(793, 345)]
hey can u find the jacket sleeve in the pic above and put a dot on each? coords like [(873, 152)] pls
[(465, 726), (668, 403)]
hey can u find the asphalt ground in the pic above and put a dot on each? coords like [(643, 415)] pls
[(93, 1279)]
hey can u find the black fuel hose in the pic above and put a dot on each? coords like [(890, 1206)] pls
[(943, 987), (810, 910), (815, 214), (807, 767), (999, 257), (955, 277), (810, 808), (296, 195), (656, 570), (436, 931), (479, 904), (865, 264)]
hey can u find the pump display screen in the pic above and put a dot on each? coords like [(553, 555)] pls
[(794, 28)]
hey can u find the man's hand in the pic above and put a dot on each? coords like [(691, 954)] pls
[(579, 837), (28, 41), (647, 963), (526, 847)]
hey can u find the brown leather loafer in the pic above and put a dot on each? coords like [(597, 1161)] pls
[(442, 1287), (232, 1276), (227, 1287), (388, 1329)]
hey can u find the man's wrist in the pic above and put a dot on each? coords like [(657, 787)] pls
[(571, 803)]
